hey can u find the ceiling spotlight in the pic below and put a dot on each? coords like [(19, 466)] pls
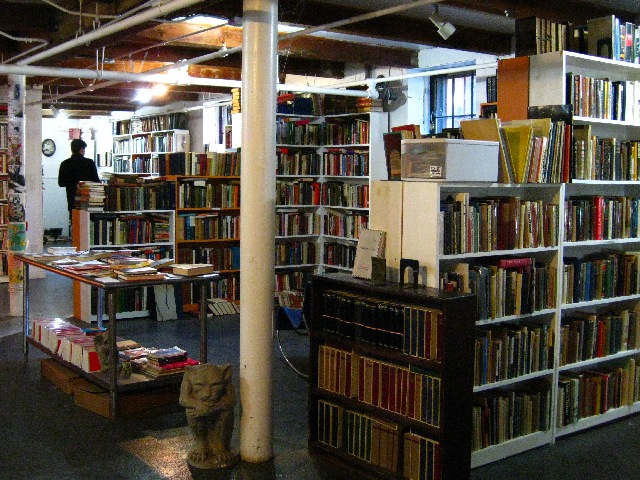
[(445, 29)]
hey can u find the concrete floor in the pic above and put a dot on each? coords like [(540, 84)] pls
[(46, 436)]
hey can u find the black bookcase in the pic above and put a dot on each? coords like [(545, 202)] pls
[(391, 379)]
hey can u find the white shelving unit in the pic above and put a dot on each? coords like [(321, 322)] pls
[(86, 238), (343, 191), (420, 236)]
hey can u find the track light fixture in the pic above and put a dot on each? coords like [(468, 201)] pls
[(445, 29), (57, 112)]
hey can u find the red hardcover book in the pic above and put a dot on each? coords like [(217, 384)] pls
[(375, 384), (348, 366), (393, 382), (384, 386), (598, 218), (411, 394), (518, 262), (440, 337), (361, 379)]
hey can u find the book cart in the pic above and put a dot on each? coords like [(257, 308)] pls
[(110, 380), (391, 378)]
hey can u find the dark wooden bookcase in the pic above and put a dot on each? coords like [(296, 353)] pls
[(391, 367)]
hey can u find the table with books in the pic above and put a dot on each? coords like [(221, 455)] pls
[(110, 272)]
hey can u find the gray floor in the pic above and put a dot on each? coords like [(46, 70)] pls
[(45, 436)]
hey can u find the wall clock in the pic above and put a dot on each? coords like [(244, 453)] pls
[(48, 147)]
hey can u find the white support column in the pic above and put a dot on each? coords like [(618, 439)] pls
[(257, 213), (32, 153)]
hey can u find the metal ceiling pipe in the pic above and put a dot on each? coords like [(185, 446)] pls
[(150, 14)]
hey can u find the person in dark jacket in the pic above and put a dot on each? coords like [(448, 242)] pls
[(75, 169)]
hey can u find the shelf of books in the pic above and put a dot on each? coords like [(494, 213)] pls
[(325, 164), (207, 192), (391, 378), (140, 143), (147, 233)]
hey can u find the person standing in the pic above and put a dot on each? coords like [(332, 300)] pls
[(75, 169)]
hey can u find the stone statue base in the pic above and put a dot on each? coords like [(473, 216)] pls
[(214, 461)]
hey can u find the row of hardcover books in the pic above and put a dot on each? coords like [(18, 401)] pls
[(599, 276), (297, 162), (207, 226), (612, 38), (500, 416), (472, 225), (505, 287), (601, 218), (202, 194), (291, 223), (376, 442), (292, 281), (511, 351), (595, 391), (224, 258), (227, 288), (113, 229), (603, 98), (348, 163), (216, 164), (297, 253), (309, 192), (294, 131), (339, 255), (169, 121), (407, 391), (413, 330), (148, 196), (603, 158), (347, 225), (333, 162), (588, 335)]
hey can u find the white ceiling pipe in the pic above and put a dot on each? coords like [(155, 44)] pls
[(360, 18), (427, 73), (150, 14)]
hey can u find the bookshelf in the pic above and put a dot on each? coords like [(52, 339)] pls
[(140, 143), (151, 231), (325, 166), (207, 193), (4, 203), (585, 373), (382, 402)]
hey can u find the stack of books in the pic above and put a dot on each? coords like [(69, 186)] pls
[(139, 274), (365, 105), (167, 361), (90, 196)]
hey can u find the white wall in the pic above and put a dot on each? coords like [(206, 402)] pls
[(55, 213)]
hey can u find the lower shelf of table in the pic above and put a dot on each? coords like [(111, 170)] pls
[(136, 382)]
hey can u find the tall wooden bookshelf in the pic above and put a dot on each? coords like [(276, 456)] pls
[(148, 231), (208, 218), (390, 383), (139, 143)]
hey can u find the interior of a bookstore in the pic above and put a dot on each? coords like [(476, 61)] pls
[(382, 240)]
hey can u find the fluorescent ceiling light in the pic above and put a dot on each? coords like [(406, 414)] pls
[(143, 95), (206, 20)]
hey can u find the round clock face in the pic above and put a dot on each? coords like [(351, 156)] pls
[(48, 147)]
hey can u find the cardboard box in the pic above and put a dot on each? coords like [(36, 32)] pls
[(450, 159), (146, 402), (61, 376)]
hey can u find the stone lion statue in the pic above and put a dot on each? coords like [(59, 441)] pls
[(208, 396)]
